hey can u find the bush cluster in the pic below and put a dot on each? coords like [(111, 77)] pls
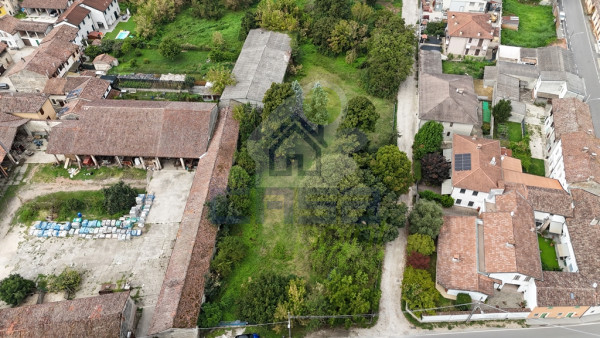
[(445, 200)]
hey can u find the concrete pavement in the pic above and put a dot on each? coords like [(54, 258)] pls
[(551, 331), (578, 36)]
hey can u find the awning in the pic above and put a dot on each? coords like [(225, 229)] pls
[(563, 250), (556, 228)]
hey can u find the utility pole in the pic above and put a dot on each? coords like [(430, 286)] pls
[(471, 314), (289, 326)]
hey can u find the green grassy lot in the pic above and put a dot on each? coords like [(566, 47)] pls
[(122, 26), (469, 66), (336, 75), (515, 133), (160, 96), (536, 25), (537, 167), (50, 172), (188, 30), (59, 205), (334, 107), (547, 253)]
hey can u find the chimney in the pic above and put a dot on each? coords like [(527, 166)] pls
[(512, 214), (479, 146), (585, 149), (460, 33), (594, 221), (460, 90), (478, 33), (456, 258), (493, 161), (453, 17)]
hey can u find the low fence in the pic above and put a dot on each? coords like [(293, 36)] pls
[(462, 316)]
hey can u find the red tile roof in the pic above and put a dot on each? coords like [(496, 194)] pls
[(14, 103), (100, 5), (483, 175), (45, 4), (470, 25)]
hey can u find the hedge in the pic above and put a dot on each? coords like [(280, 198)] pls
[(445, 200)]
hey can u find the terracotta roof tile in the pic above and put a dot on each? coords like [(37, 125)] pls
[(456, 266), (8, 24), (510, 245), (100, 5), (62, 32), (75, 14), (553, 201), (571, 115), (46, 4), (470, 25), (33, 26), (531, 180), (448, 98), (135, 128), (565, 289), (104, 58), (13, 103), (483, 176), (581, 165)]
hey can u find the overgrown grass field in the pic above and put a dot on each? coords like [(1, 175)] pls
[(50, 172), (195, 33), (536, 25), (468, 66)]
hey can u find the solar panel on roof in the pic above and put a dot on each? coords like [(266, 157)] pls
[(462, 162)]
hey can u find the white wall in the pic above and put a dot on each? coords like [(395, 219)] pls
[(530, 295), (458, 46), (593, 310), (451, 128), (12, 40), (509, 278), (475, 6), (467, 196), (475, 316), (570, 261), (556, 164), (474, 295)]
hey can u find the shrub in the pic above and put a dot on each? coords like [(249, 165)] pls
[(133, 63), (68, 281), (485, 128), (426, 218), (14, 289), (418, 260), (119, 198), (231, 250), (428, 139), (261, 295), (463, 301), (445, 200), (502, 111), (418, 290), (210, 315), (420, 243), (169, 48), (435, 168)]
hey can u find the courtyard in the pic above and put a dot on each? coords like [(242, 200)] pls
[(140, 262)]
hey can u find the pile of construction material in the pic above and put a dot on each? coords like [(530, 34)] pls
[(121, 229)]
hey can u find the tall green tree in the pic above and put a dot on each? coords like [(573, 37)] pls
[(361, 12), (420, 243), (119, 198), (207, 9), (360, 113), (275, 97), (14, 289), (426, 218), (418, 289), (169, 48), (333, 8), (320, 31), (248, 22), (317, 107), (428, 139), (350, 294), (394, 167), (261, 295), (435, 168), (239, 191), (346, 35), (280, 15), (390, 57), (249, 118), (220, 78), (502, 111)]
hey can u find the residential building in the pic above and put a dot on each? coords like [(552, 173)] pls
[(11, 7), (473, 6), (446, 98), (9, 125), (53, 58), (62, 90), (263, 60), (592, 7), (27, 105), (111, 315), (8, 32), (124, 130), (45, 7), (470, 34), (78, 17), (105, 13), (19, 33), (104, 62), (571, 145), (481, 169)]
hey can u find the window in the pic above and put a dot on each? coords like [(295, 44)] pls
[(448, 134), (517, 277), (475, 193), (451, 124), (559, 314), (458, 201), (527, 279), (544, 315), (536, 314), (570, 314), (470, 203), (462, 191)]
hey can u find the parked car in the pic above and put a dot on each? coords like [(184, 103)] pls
[(4, 86), (247, 335)]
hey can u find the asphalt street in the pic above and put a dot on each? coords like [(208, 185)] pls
[(572, 331), (581, 42)]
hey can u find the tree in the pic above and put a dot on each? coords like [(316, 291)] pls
[(236, 5), (418, 260), (169, 48), (244, 160), (248, 22), (435, 168), (275, 96), (436, 28), (418, 289), (390, 56), (361, 12), (249, 118), (350, 294), (220, 78), (217, 40), (14, 289), (69, 281), (218, 210), (333, 8), (502, 111), (231, 251), (320, 32), (420, 243), (92, 51), (119, 198), (360, 113), (207, 9), (260, 296), (428, 139), (239, 178), (239, 185), (346, 35), (280, 15), (317, 107), (426, 218), (394, 167)]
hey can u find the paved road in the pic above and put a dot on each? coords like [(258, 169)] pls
[(581, 42), (572, 331)]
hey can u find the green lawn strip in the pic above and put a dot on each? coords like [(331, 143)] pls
[(273, 245), (160, 96), (50, 172), (122, 26), (344, 79), (59, 204), (469, 66), (536, 25), (547, 253), (515, 133), (537, 167), (189, 30)]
